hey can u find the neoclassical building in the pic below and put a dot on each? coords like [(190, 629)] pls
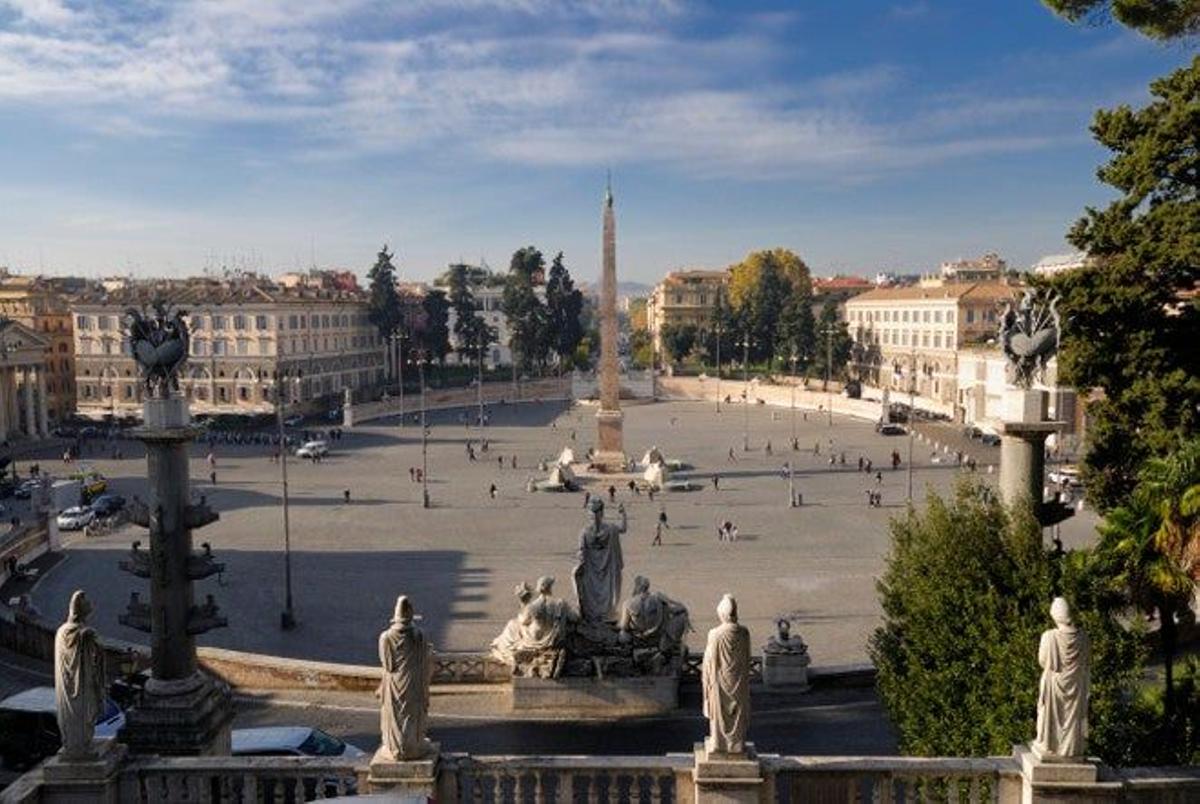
[(43, 305), (22, 382), (244, 333)]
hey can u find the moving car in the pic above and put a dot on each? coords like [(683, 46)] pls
[(92, 484), (892, 429), (107, 504), (29, 726), (76, 518), (311, 449)]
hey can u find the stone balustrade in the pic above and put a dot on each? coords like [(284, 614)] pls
[(597, 780), (240, 779), (893, 779)]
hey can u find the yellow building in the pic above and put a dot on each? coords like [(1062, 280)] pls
[(41, 305), (683, 297)]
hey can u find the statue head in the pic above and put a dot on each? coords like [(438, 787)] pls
[(1060, 612), (404, 611), (596, 506), (784, 627), (727, 609), (641, 585), (80, 607), (523, 592), (545, 585)]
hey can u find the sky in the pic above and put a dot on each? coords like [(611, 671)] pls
[(151, 137)]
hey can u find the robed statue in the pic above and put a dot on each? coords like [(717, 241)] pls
[(407, 660), (725, 677), (598, 566), (653, 619), (509, 640), (1062, 708), (78, 680)]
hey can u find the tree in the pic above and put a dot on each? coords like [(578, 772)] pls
[(528, 319), (679, 340), (761, 287), (1157, 19), (832, 351), (1130, 325), (641, 350), (383, 303), (722, 326), (471, 333), (436, 334), (798, 332), (564, 306)]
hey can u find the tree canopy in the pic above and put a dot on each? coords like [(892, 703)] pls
[(528, 319), (383, 305), (564, 307), (1157, 19), (1131, 316)]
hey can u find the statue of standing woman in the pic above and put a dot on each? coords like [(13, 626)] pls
[(78, 680), (598, 566), (1062, 709), (407, 660), (725, 676)]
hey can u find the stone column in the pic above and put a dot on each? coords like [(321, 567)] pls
[(610, 448), (183, 711), (43, 418), (1023, 435), (4, 419), (30, 415)]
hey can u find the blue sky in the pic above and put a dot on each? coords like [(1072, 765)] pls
[(159, 137)]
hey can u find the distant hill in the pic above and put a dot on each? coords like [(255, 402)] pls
[(625, 290)]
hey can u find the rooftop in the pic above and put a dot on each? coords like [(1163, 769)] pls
[(974, 290)]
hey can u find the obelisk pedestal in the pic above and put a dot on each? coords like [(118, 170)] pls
[(609, 455), (182, 711), (1023, 434)]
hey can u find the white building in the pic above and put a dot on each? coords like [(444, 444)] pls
[(982, 380), (1053, 264)]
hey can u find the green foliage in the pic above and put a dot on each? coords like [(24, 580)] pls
[(528, 319), (641, 350), (834, 344), (721, 329), (564, 307), (798, 333), (436, 334), (470, 329), (383, 304), (1130, 327), (1157, 19), (678, 340)]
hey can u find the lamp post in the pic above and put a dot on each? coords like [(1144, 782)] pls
[(828, 333), (746, 393), (424, 433), (479, 382), (912, 412), (794, 359), (287, 619), (397, 339)]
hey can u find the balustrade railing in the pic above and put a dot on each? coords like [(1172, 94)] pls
[(884, 780), (545, 780), (240, 780)]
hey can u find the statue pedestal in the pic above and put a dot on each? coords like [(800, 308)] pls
[(1023, 445), (189, 717), (785, 670), (1050, 778), (615, 697), (409, 777), (85, 781), (721, 778), (610, 443)]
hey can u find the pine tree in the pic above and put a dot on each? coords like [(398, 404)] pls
[(564, 305), (384, 302)]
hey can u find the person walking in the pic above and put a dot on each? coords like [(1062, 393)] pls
[(879, 478), (212, 477), (514, 462), (732, 457), (767, 448), (587, 499), (716, 481), (492, 490), (612, 493), (659, 527), (500, 459), (346, 496)]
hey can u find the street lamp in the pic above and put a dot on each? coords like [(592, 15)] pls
[(397, 339), (287, 619), (718, 360), (421, 359), (912, 412), (479, 381), (828, 333), (746, 392), (794, 359)]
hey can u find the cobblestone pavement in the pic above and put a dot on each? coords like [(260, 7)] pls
[(460, 560)]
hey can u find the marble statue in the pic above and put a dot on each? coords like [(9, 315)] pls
[(1062, 708), (78, 680), (598, 567), (503, 646), (1029, 337), (725, 677), (543, 626), (783, 643), (407, 659), (653, 619)]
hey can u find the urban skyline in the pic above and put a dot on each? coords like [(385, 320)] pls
[(165, 141)]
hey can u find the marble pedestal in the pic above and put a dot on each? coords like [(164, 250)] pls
[(189, 717), (1023, 435), (1047, 779), (720, 778), (786, 671), (84, 781), (610, 442), (407, 777), (615, 697)]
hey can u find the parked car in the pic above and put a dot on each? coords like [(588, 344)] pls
[(296, 741), (892, 429), (25, 490), (76, 518), (107, 504), (1065, 475), (313, 449), (972, 432), (91, 484), (295, 420), (29, 726), (989, 440)]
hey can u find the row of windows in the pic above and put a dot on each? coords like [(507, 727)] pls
[(897, 337), (903, 316), (238, 322)]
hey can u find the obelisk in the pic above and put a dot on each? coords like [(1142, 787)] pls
[(610, 452)]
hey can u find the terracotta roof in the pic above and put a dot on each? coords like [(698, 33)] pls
[(204, 293), (950, 290)]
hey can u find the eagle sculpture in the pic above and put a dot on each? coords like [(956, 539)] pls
[(160, 346), (1029, 336)]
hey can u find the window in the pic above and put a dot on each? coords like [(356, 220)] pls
[(218, 322), (244, 393), (197, 323), (261, 322), (905, 318), (223, 392), (219, 347), (316, 321), (292, 323), (949, 316), (937, 340), (925, 316), (970, 316), (106, 322), (239, 322), (937, 316), (325, 321), (108, 347), (129, 392), (83, 322)]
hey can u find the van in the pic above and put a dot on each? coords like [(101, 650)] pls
[(29, 726)]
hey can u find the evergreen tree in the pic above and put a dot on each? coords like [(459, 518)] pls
[(528, 318), (678, 340), (833, 351), (721, 324), (471, 333), (1157, 19), (436, 334), (798, 333), (1130, 322), (383, 303), (564, 306)]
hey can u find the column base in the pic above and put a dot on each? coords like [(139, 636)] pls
[(1061, 779), (409, 777), (721, 778), (189, 717), (609, 436)]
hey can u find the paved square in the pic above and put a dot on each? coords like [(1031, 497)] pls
[(460, 560)]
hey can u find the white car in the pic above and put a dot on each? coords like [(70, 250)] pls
[(1065, 476), (291, 741), (313, 449), (76, 518)]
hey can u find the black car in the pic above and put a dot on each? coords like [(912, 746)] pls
[(108, 504)]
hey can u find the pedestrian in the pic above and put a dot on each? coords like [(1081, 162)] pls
[(492, 491), (879, 478), (612, 493), (868, 468), (514, 462), (212, 460), (212, 476), (412, 474), (842, 459), (870, 498), (658, 528), (587, 498), (732, 457), (500, 458), (346, 496), (860, 463), (832, 461), (716, 481), (650, 492), (817, 448), (767, 448)]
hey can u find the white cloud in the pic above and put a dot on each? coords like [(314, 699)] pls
[(510, 80)]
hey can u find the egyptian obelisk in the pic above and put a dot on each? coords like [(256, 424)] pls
[(610, 454)]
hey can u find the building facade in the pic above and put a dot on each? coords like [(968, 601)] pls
[(901, 330), (244, 334), (683, 297), (983, 378), (42, 305), (489, 301), (23, 394)]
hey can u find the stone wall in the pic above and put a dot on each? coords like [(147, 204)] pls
[(441, 399)]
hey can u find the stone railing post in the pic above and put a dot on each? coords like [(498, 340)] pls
[(720, 778)]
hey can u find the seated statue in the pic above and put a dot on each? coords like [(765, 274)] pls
[(651, 619), (543, 626), (504, 645)]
